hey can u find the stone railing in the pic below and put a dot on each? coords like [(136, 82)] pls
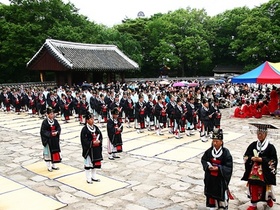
[(167, 78), (29, 84)]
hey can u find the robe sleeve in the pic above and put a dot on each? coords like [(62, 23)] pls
[(100, 136), (269, 165), (45, 133), (204, 159), (58, 128), (110, 130), (247, 161), (85, 142), (226, 167)]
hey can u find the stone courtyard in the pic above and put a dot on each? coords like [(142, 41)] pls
[(159, 172)]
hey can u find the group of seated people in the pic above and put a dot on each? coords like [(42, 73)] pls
[(254, 109)]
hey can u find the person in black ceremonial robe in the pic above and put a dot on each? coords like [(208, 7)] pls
[(217, 164), (42, 105), (83, 109), (50, 133), (190, 115), (64, 107), (217, 114), (114, 130), (171, 112), (91, 140), (140, 107), (129, 110), (205, 117), (179, 112), (16, 99), (160, 114), (260, 168)]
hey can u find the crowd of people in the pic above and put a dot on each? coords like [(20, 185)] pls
[(267, 104), (146, 105), (153, 106)]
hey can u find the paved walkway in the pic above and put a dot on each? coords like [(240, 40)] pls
[(154, 182)]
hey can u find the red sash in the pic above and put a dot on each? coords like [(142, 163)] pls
[(52, 129), (215, 163), (31, 102), (117, 131), (94, 139)]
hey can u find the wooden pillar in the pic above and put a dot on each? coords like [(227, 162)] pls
[(69, 78), (42, 76)]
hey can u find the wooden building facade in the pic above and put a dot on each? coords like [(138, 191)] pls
[(227, 70), (78, 62)]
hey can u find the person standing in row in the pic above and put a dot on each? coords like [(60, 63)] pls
[(150, 113), (160, 114), (140, 107), (91, 140), (179, 112), (205, 118), (84, 107), (217, 164), (260, 168), (171, 114), (190, 115), (129, 110), (114, 130), (50, 133)]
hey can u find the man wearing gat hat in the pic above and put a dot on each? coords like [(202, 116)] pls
[(217, 164), (260, 168)]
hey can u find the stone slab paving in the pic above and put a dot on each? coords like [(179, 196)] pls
[(154, 183)]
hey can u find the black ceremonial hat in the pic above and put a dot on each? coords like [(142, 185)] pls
[(218, 134), (50, 110), (88, 115), (263, 126), (115, 111)]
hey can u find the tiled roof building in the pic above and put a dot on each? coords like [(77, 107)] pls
[(76, 62)]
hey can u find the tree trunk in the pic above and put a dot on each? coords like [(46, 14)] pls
[(183, 69)]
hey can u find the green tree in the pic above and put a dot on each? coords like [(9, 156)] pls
[(182, 41), (258, 35), (225, 28), (23, 34)]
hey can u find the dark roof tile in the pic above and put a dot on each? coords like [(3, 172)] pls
[(79, 56)]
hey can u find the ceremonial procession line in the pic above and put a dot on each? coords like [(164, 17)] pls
[(154, 172)]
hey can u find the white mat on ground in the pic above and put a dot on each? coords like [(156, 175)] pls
[(105, 185)]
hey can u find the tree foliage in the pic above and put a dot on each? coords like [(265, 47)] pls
[(187, 40)]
